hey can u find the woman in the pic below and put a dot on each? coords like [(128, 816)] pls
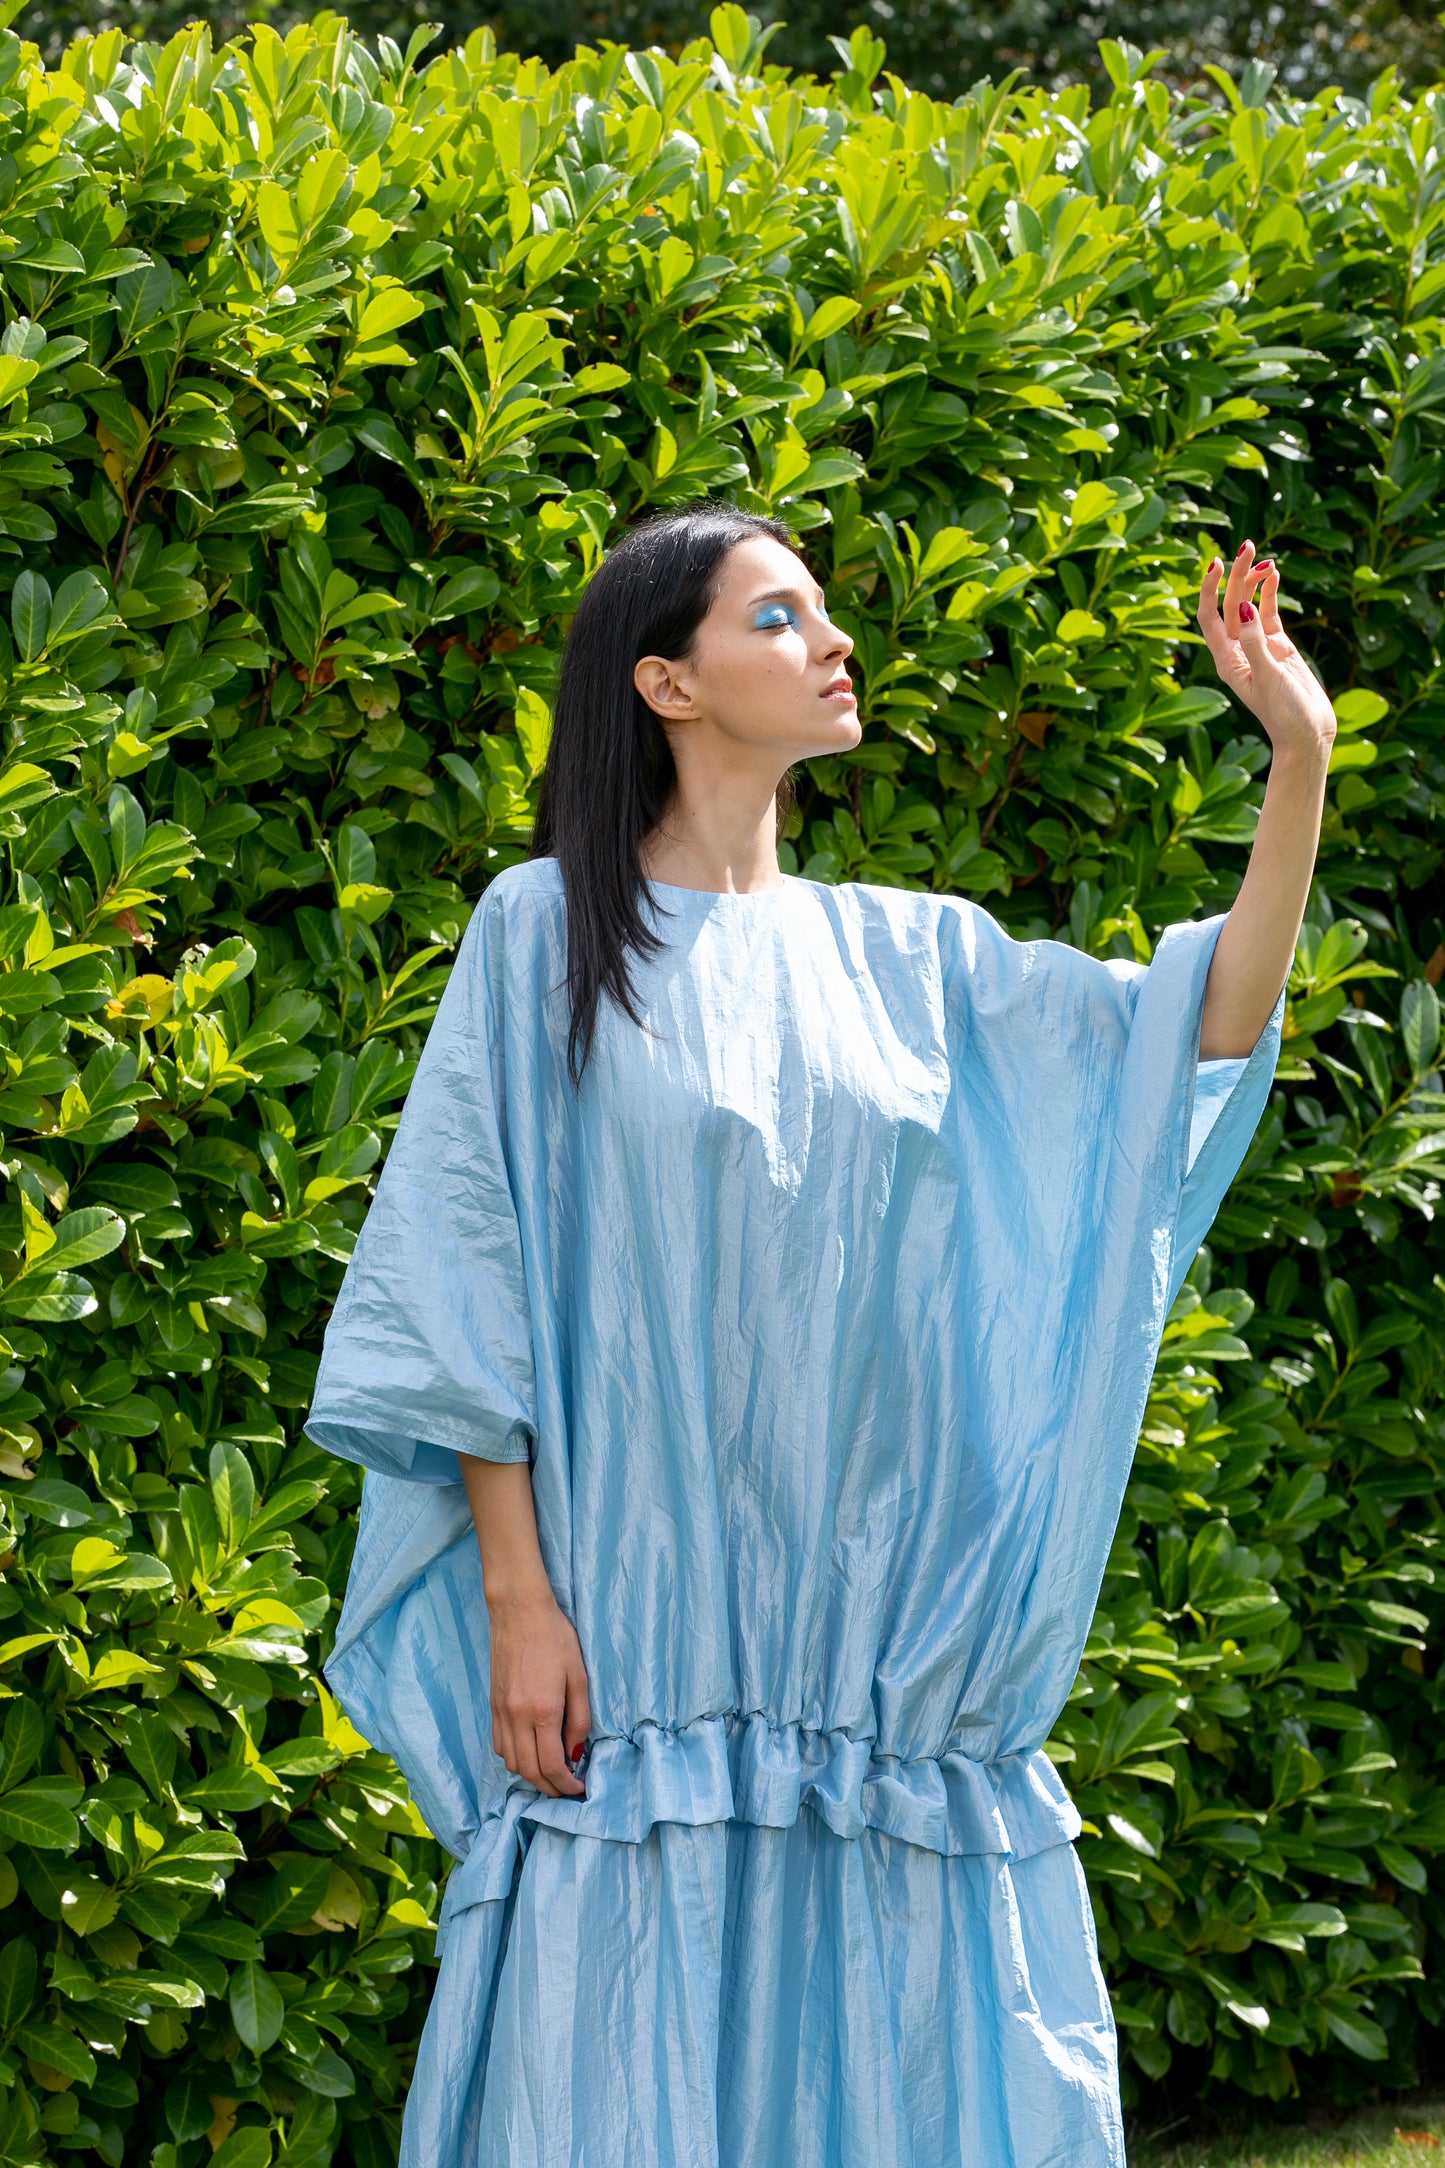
[(748, 1341)]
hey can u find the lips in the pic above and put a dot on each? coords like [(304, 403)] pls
[(839, 685)]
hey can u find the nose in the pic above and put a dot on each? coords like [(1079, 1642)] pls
[(837, 644)]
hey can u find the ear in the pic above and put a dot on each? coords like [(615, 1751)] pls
[(664, 686)]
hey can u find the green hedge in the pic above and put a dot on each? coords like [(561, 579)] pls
[(325, 380), (941, 46)]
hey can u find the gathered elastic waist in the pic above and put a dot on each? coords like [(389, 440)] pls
[(746, 1768)]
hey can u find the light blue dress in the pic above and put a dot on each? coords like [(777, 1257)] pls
[(825, 1316)]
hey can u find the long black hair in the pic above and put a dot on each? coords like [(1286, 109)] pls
[(610, 772)]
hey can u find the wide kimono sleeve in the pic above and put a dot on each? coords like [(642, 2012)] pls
[(429, 1349), (1108, 1138), (1097, 1148)]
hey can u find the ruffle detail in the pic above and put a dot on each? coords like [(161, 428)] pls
[(747, 1769)]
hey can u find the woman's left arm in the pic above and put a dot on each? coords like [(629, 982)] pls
[(1261, 664)]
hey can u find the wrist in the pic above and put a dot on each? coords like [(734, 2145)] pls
[(515, 1596), (1304, 760)]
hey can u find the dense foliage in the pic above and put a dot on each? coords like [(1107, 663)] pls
[(941, 46), (323, 382)]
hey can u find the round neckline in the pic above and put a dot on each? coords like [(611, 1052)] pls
[(724, 895)]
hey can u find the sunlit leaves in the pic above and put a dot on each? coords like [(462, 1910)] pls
[(325, 385)]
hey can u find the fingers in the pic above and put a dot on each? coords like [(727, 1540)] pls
[(577, 1718), (518, 1720), (539, 1741), (1267, 599), (539, 1755), (1236, 587), (1253, 638), (540, 1711), (1249, 579), (554, 1776), (1209, 589), (1211, 624)]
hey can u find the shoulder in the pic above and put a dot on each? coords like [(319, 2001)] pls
[(978, 961), (911, 920), (971, 947), (513, 930), (891, 937), (870, 903), (518, 903), (531, 884)]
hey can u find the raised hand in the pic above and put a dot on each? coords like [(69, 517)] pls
[(1261, 665), (1256, 657)]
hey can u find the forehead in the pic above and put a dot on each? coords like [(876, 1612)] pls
[(759, 564)]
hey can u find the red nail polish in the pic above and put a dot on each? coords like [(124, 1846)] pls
[(1246, 613), (1264, 564), (1242, 548)]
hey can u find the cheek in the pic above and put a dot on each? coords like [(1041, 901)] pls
[(764, 662), (785, 657)]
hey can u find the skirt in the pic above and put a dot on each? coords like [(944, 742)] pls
[(728, 1995)]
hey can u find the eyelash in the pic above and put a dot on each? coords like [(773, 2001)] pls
[(787, 618)]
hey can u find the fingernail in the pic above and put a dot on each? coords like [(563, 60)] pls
[(1243, 547), (1264, 564), (1246, 613)]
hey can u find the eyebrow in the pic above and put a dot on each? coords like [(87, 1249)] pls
[(780, 594)]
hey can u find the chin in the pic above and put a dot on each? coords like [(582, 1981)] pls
[(839, 734)]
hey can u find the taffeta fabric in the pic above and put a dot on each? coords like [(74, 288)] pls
[(824, 1314)]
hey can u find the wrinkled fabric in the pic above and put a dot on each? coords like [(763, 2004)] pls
[(824, 1315)]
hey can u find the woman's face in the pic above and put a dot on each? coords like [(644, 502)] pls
[(768, 669)]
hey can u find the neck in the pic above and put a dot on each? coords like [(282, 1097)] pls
[(713, 846)]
